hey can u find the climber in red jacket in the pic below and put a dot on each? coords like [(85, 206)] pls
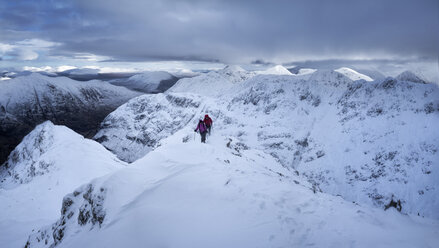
[(208, 123)]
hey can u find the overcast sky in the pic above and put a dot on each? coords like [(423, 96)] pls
[(228, 31)]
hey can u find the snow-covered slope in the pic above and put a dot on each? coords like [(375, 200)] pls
[(187, 194), (50, 162), (354, 75), (372, 143), (276, 70), (29, 100), (149, 82), (214, 83)]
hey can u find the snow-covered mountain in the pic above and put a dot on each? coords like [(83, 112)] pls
[(276, 70), (213, 83), (292, 161), (149, 82), (50, 162), (148, 119), (352, 74), (347, 138), (29, 100), (410, 77)]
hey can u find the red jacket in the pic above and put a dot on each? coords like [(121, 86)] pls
[(207, 121)]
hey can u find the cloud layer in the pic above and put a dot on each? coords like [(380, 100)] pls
[(225, 30)]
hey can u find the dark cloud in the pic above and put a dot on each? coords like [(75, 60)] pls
[(228, 30)]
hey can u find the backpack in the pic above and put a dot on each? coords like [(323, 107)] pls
[(208, 121), (202, 127)]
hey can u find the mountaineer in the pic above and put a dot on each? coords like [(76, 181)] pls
[(201, 127)]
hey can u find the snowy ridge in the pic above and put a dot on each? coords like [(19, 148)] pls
[(229, 191), (213, 83), (34, 158), (410, 77), (149, 82), (354, 75), (50, 162)]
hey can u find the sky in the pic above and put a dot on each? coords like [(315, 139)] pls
[(99, 32)]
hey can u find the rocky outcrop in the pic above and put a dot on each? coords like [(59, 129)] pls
[(137, 127)]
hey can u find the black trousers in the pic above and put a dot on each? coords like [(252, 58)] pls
[(203, 137)]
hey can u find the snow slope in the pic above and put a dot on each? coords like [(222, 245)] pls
[(149, 82), (371, 143), (354, 75), (187, 194), (50, 162)]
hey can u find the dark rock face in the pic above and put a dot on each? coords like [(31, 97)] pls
[(90, 202), (149, 119), (81, 108)]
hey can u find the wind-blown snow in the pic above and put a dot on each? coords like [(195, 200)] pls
[(354, 75), (50, 162)]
